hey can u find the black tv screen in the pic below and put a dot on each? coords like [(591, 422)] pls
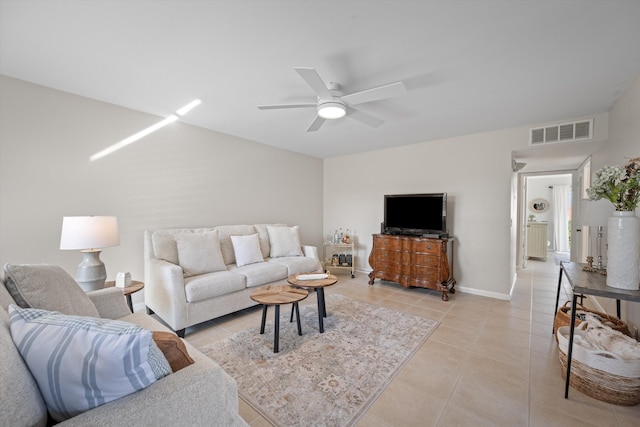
[(416, 214)]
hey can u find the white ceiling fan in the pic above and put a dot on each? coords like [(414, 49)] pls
[(333, 104)]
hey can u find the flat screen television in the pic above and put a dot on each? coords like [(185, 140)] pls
[(416, 214)]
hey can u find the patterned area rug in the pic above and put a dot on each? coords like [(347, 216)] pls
[(318, 379)]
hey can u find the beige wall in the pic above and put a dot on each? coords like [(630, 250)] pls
[(181, 175), (623, 143), (474, 171)]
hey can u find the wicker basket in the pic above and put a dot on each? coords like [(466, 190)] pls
[(563, 319), (600, 374)]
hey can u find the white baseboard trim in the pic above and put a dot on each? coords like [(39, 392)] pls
[(471, 291), (482, 293)]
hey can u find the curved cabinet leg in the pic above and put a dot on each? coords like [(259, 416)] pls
[(371, 278)]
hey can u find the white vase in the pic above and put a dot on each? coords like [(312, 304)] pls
[(623, 252)]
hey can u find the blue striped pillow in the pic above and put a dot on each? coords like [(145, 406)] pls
[(83, 362)]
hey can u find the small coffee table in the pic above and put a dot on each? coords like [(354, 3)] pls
[(277, 295), (318, 285)]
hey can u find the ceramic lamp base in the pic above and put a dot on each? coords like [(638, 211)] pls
[(91, 273)]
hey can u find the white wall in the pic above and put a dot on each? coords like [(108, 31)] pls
[(623, 143), (181, 175), (474, 171)]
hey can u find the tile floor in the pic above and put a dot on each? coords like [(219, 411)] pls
[(489, 363)]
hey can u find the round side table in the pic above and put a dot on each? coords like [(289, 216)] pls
[(135, 287), (277, 295)]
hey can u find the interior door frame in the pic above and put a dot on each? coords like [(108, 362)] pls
[(576, 191)]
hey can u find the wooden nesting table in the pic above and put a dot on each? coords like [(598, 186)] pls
[(318, 285), (277, 295)]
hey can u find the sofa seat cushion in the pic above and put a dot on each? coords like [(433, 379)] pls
[(210, 285), (296, 264), (261, 273), (82, 362)]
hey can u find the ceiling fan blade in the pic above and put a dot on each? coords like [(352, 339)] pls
[(281, 106), (375, 94), (365, 118), (315, 125), (311, 76)]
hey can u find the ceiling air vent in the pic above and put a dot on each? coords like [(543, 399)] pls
[(563, 132)]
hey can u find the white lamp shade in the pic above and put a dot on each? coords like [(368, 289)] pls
[(597, 212), (89, 232)]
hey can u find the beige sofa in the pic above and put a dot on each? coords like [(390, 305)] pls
[(199, 394), (182, 298)]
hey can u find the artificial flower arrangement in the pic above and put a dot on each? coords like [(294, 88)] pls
[(618, 184)]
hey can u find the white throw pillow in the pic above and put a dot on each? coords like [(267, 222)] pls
[(199, 253), (83, 362), (247, 249), (284, 241)]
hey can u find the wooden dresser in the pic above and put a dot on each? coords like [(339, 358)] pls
[(412, 262)]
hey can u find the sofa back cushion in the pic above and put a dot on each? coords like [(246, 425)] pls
[(22, 403), (47, 287), (163, 242)]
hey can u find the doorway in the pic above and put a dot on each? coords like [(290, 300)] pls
[(547, 202)]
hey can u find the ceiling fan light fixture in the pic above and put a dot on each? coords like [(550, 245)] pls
[(332, 110)]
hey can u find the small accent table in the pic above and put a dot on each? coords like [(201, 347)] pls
[(319, 286), (135, 287), (587, 283), (276, 295)]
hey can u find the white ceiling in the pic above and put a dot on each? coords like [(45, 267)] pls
[(469, 66)]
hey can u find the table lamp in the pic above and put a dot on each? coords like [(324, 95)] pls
[(596, 214), (89, 235)]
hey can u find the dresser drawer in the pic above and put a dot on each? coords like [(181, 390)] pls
[(393, 243), (425, 274), (382, 255), (425, 246), (391, 268), (422, 260)]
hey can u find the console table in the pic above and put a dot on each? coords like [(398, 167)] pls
[(413, 261), (587, 283)]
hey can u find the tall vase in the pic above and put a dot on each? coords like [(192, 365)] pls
[(623, 253)]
